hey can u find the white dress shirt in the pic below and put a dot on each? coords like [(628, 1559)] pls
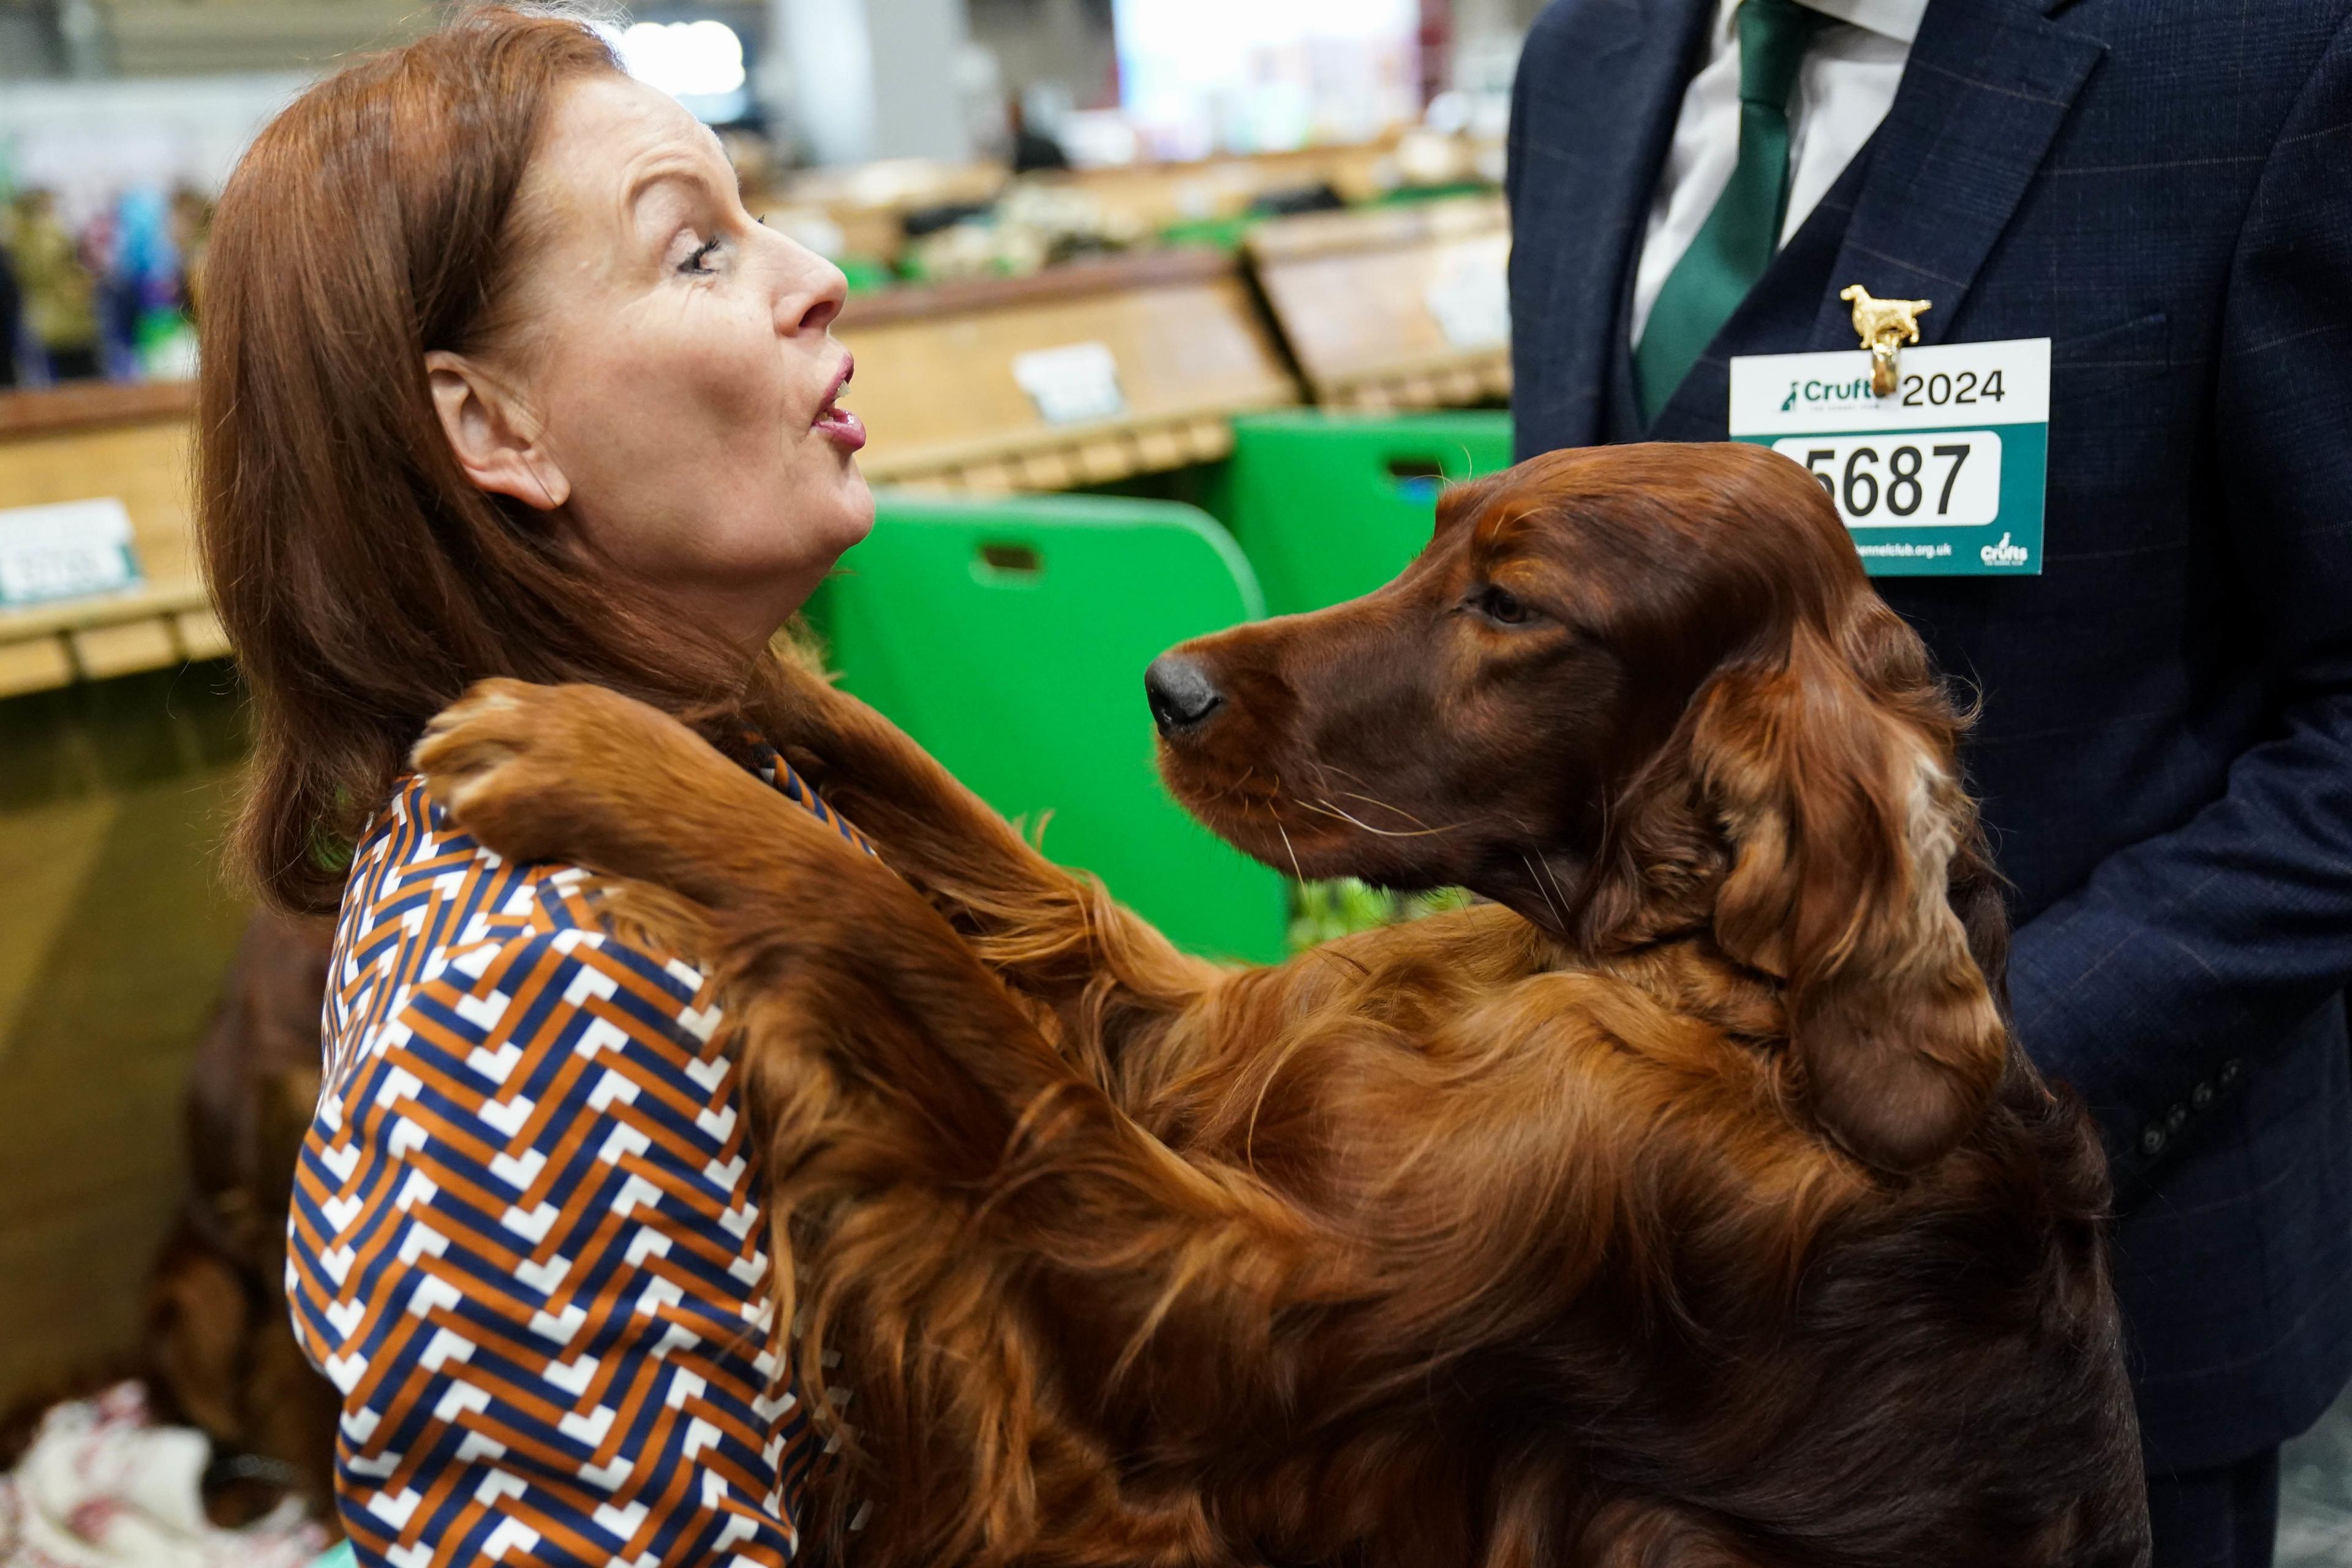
[(1843, 90)]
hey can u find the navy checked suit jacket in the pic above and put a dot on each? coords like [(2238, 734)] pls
[(2165, 757)]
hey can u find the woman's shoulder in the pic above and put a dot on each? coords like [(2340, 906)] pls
[(436, 930), (414, 858), (527, 1220), (511, 1078)]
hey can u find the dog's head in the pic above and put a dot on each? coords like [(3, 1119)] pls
[(1634, 692)]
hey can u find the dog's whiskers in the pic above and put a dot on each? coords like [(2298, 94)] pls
[(1550, 872), (1384, 806), (1345, 774), (1233, 789), (1297, 870), (1328, 809), (1557, 912)]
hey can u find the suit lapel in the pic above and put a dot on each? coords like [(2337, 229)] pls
[(1988, 84), (1614, 74)]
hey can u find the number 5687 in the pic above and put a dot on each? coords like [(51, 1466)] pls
[(1946, 477)]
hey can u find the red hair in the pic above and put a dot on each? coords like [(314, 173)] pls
[(364, 580)]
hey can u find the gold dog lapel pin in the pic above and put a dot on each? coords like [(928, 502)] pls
[(1886, 325)]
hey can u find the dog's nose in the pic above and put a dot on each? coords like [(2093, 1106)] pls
[(1180, 693)]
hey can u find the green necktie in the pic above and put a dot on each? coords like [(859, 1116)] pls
[(1736, 242)]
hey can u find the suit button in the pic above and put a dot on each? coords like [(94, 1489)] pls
[(2201, 1096), (2174, 1117), (2151, 1142), (2231, 1069)]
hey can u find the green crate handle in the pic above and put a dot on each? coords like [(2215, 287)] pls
[(1003, 564)]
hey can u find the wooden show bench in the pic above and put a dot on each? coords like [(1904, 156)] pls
[(1396, 307), (941, 372), (868, 205), (131, 443), (1154, 196)]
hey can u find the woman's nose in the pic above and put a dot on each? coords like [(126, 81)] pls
[(812, 297)]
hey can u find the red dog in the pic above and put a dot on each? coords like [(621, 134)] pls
[(1687, 1204)]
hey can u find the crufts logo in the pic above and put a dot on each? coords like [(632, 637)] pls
[(1845, 392), (2003, 553)]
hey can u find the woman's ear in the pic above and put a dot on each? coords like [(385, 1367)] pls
[(1843, 815), (494, 438)]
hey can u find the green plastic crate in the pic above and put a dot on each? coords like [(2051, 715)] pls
[(1330, 506), (1010, 638)]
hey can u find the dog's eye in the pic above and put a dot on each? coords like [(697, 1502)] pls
[(1501, 605)]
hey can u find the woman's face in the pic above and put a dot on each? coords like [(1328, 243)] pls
[(673, 368)]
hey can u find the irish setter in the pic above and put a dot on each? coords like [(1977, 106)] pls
[(1686, 1204)]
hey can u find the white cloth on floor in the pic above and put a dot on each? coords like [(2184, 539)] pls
[(104, 1486)]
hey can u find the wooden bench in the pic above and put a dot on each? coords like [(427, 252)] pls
[(1155, 195), (937, 381), (130, 443), (1401, 307), (868, 204)]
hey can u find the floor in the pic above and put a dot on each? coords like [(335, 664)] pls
[(2315, 1510)]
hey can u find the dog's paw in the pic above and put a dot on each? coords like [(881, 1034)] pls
[(547, 772)]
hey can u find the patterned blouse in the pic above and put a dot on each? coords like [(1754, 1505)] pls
[(527, 1241)]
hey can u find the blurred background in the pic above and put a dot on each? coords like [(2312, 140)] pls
[(120, 119), (1169, 313)]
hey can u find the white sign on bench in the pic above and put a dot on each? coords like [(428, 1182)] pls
[(66, 551), (1075, 385)]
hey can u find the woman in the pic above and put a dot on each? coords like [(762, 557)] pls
[(499, 378)]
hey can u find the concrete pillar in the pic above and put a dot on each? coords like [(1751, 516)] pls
[(919, 108), (862, 79)]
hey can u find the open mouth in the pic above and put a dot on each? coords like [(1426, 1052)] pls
[(834, 422)]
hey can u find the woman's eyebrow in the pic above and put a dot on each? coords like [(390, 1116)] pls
[(653, 179)]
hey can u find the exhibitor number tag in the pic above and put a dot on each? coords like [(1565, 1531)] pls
[(1945, 476), (1880, 482)]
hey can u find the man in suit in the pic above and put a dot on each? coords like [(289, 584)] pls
[(2166, 750)]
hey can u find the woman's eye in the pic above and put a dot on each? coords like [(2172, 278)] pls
[(694, 263), (1501, 605)]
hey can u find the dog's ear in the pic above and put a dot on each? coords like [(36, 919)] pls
[(1833, 779)]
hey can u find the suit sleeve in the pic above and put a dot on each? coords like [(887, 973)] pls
[(2159, 985), (523, 1251)]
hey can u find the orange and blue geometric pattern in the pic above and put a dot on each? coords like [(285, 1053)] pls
[(528, 1242)]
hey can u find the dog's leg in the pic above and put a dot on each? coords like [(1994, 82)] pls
[(1137, 1015), (988, 1223), (1054, 934), (1021, 1281), (582, 774)]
